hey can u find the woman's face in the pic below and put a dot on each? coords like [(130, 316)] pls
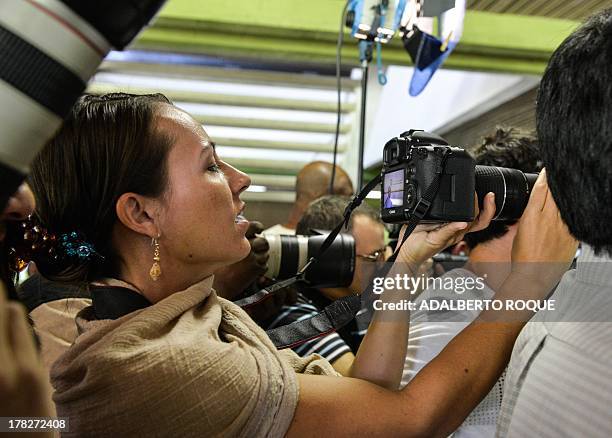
[(200, 219)]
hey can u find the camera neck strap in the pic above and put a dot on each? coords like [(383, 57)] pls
[(343, 310)]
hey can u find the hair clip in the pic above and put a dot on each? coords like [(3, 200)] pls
[(73, 245), (28, 241)]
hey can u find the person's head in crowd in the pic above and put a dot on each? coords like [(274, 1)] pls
[(155, 183), (312, 182), (19, 206), (574, 127), (505, 147), (364, 225)]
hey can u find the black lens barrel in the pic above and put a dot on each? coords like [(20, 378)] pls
[(336, 266), (511, 187)]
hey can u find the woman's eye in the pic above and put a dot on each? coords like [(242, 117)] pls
[(214, 168)]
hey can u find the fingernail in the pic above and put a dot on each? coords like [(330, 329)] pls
[(462, 225)]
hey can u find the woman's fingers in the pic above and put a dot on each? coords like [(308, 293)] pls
[(446, 233)]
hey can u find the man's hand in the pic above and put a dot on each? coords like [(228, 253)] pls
[(232, 280), (429, 239), (543, 248), (542, 235)]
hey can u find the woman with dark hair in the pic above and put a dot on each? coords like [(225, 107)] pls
[(148, 212)]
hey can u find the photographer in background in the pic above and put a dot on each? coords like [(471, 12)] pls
[(559, 380), (368, 231), (489, 252), (311, 183)]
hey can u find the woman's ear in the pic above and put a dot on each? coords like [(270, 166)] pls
[(138, 213)]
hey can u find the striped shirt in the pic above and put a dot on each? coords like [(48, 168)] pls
[(559, 380), (331, 346)]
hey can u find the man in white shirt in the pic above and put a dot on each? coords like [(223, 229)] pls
[(559, 379)]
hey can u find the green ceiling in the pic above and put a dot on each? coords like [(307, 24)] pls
[(292, 30)]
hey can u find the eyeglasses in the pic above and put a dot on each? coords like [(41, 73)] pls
[(375, 256)]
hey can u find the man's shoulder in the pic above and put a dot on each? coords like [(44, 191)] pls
[(573, 382), (581, 319)]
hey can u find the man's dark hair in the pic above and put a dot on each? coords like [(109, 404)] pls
[(506, 147), (328, 211), (574, 125)]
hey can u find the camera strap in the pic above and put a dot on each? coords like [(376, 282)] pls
[(343, 310)]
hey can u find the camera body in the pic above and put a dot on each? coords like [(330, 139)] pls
[(409, 167)]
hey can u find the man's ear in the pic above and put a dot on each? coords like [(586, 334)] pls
[(461, 248), (138, 213)]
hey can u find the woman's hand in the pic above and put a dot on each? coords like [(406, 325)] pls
[(429, 239)]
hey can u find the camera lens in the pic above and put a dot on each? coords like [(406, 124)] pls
[(511, 187), (289, 254)]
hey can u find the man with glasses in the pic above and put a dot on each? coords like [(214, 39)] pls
[(368, 231)]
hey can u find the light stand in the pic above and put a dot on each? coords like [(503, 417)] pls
[(365, 57)]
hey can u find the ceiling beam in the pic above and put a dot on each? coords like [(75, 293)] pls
[(294, 30)]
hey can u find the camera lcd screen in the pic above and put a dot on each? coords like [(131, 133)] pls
[(393, 189)]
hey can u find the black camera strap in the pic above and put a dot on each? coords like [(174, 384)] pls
[(343, 310)]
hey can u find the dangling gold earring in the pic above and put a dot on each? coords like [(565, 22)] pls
[(155, 271)]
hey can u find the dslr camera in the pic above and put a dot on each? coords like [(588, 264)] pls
[(410, 162)]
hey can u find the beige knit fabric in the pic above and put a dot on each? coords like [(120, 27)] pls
[(193, 364), (55, 327)]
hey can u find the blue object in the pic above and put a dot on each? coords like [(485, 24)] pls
[(429, 59), (73, 245), (382, 78)]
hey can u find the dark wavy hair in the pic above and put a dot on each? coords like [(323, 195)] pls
[(574, 124), (107, 146), (506, 147)]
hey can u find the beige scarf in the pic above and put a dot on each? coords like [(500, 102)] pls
[(193, 364)]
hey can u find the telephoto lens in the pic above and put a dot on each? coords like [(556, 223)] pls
[(510, 186), (48, 52), (334, 268)]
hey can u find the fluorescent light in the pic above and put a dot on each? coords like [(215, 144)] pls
[(257, 189), (374, 194)]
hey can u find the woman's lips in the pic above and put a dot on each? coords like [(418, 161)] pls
[(242, 223)]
